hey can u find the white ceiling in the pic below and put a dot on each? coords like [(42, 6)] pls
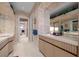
[(23, 6), (26, 7)]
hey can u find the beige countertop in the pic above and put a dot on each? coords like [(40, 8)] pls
[(68, 40)]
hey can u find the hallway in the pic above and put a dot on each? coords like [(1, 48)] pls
[(38, 29), (24, 48)]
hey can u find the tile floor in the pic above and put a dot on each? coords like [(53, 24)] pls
[(24, 48)]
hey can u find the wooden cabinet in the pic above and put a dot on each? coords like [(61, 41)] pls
[(61, 53), (4, 51), (50, 50), (46, 49), (10, 47), (7, 48)]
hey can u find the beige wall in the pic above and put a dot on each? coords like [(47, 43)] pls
[(8, 19)]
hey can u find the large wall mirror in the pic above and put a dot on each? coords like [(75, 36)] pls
[(67, 23), (70, 27)]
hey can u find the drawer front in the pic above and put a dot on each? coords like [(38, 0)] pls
[(46, 49), (4, 52), (10, 47), (52, 51), (68, 47), (42, 46), (61, 53)]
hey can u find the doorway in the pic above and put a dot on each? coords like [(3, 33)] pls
[(22, 29)]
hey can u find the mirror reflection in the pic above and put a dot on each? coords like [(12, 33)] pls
[(65, 24), (70, 27)]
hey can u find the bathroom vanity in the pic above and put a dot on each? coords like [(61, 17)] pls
[(58, 46), (64, 38), (7, 29)]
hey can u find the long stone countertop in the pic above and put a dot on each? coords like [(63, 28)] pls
[(72, 41)]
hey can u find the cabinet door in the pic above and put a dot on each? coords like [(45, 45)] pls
[(4, 51), (42, 47), (49, 50), (46, 48), (10, 47), (52, 51), (61, 53)]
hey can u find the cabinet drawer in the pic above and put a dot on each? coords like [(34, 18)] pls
[(61, 53), (10, 47), (71, 48), (4, 51), (52, 51)]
